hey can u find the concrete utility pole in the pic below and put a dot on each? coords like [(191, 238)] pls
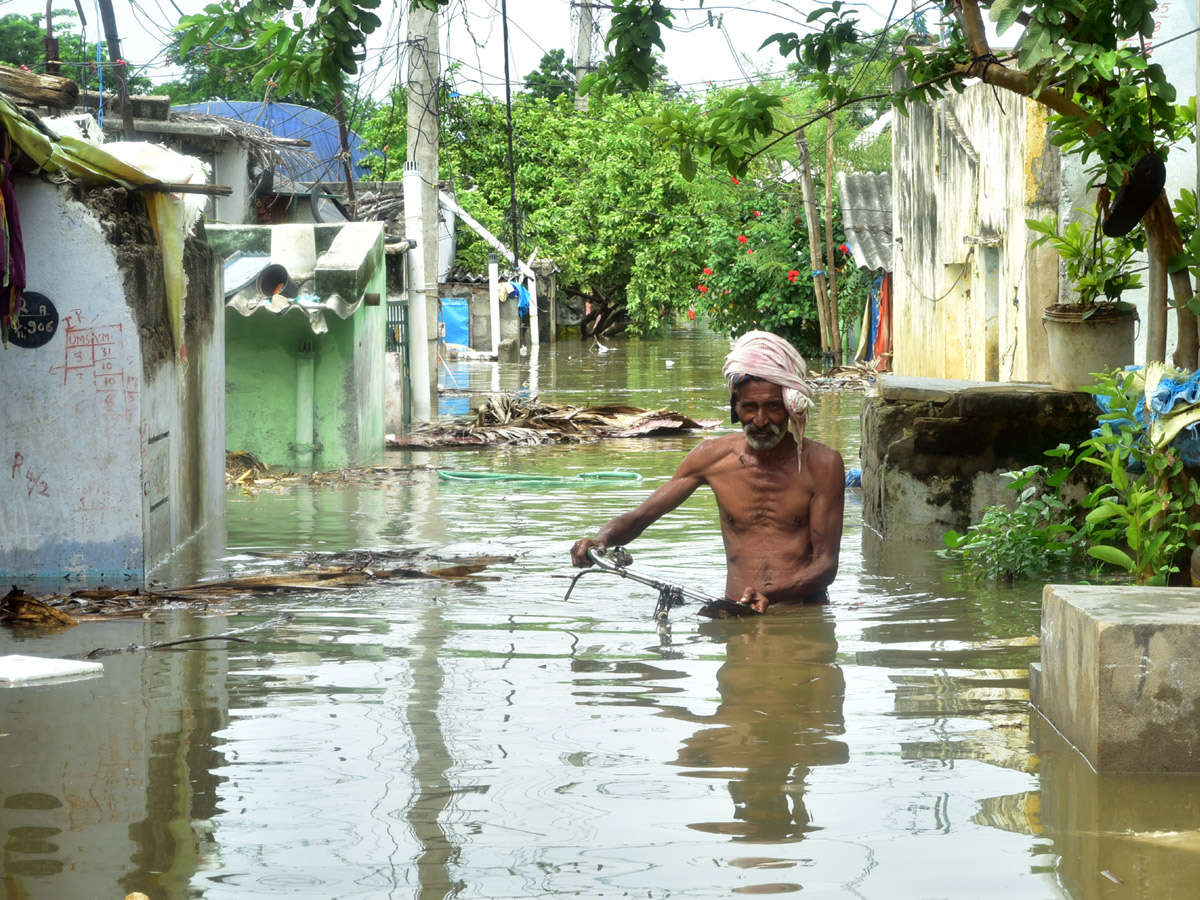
[(424, 402), (424, 81), (583, 51)]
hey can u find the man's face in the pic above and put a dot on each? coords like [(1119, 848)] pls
[(762, 414)]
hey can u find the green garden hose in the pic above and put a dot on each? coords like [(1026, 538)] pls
[(518, 478)]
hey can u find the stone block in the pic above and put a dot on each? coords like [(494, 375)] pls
[(1120, 675), (935, 452), (1140, 829)]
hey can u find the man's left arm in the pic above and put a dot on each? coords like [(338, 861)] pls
[(825, 518)]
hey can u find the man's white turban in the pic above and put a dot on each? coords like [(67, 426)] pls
[(771, 358)]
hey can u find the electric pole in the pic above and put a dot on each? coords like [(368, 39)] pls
[(120, 71), (583, 51), (424, 83)]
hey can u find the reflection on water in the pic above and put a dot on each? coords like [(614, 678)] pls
[(781, 695), (488, 739)]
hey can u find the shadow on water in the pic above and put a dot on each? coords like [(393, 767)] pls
[(781, 694), (491, 740)]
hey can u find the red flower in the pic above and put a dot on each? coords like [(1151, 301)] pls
[(708, 271), (702, 289), (735, 181), (742, 239), (751, 250), (793, 275), (756, 213), (691, 314)]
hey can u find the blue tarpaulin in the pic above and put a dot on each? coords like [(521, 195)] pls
[(453, 315), (290, 120)]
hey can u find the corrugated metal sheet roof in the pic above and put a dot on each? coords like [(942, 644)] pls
[(867, 218), (290, 120)]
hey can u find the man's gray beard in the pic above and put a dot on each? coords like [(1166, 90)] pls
[(757, 443)]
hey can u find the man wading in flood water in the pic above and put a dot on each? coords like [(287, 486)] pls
[(780, 496)]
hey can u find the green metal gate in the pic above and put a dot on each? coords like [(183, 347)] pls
[(397, 342)]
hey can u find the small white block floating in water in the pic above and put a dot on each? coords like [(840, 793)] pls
[(24, 669)]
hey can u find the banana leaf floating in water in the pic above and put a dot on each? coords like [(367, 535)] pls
[(19, 609), (508, 419)]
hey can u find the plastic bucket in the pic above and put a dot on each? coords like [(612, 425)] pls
[(1080, 347)]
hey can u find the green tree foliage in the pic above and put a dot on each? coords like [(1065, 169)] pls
[(1082, 60), (597, 194), (23, 43), (552, 78), (760, 277), (606, 200), (213, 72)]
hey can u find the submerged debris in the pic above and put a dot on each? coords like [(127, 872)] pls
[(508, 419), (240, 466), (234, 636), (322, 572), (241, 474), (857, 377)]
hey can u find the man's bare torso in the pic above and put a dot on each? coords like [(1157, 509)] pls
[(764, 503)]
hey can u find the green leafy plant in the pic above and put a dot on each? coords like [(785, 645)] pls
[(1098, 267), (1039, 533), (1140, 519)]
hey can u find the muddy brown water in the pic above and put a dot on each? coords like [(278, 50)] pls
[(493, 741)]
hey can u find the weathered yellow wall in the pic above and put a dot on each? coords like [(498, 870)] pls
[(972, 166)]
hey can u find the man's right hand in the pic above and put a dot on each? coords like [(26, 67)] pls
[(579, 551)]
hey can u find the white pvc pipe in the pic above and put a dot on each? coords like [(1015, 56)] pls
[(494, 300), (418, 312), (533, 313)]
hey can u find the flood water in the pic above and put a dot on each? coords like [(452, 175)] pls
[(488, 740)]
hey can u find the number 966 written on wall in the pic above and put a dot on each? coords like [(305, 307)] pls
[(37, 323)]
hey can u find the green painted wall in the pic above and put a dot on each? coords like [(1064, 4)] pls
[(261, 354)]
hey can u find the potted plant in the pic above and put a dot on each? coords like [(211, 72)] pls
[(1096, 332)]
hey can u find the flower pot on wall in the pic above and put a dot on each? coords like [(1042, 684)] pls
[(1080, 346)]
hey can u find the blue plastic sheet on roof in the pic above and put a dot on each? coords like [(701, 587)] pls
[(290, 120)]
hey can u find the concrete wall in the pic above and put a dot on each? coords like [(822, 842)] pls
[(107, 446), (934, 453), (968, 290)]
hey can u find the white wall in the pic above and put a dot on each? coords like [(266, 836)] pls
[(111, 461), (72, 409), (967, 289)]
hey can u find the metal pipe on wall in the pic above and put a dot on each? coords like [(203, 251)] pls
[(306, 371)]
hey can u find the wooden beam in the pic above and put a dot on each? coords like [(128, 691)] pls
[(207, 129), (213, 190), (41, 90)]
